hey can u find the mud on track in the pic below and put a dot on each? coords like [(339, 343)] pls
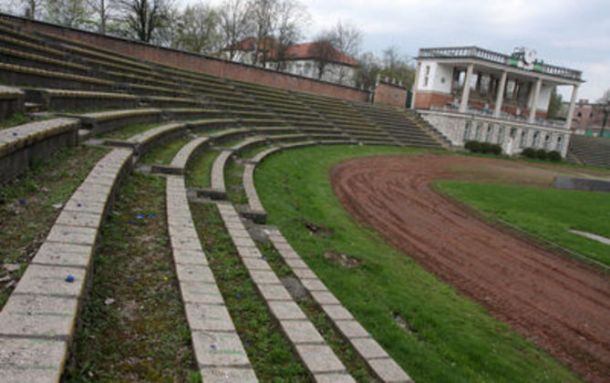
[(560, 304)]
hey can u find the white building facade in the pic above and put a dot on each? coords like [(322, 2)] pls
[(469, 93)]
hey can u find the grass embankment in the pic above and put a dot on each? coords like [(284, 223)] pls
[(133, 325), (30, 204), (435, 334), (544, 212)]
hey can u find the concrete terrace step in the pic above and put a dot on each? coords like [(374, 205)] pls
[(37, 323), (18, 57), (384, 367), (21, 145), (220, 355), (21, 44), (102, 122), (23, 75), (181, 159), (193, 113), (65, 99), (11, 101), (173, 102), (318, 358)]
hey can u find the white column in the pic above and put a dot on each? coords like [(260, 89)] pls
[(466, 90), (415, 85), (572, 107), (534, 104), (500, 95)]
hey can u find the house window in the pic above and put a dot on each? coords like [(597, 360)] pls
[(427, 76)]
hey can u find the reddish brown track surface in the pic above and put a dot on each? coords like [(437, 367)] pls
[(560, 304)]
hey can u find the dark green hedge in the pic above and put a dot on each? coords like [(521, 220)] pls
[(483, 147), (541, 154)]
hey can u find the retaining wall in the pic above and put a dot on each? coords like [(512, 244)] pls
[(388, 94)]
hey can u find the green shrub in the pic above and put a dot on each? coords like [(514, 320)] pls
[(483, 147), (529, 153), (541, 154), (473, 146), (554, 156), (495, 149)]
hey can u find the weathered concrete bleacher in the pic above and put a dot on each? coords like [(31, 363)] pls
[(38, 321), (21, 145), (317, 356), (589, 150), (218, 349), (102, 92), (11, 102)]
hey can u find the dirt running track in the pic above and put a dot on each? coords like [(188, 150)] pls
[(560, 304)]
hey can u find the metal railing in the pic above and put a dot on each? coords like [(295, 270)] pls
[(498, 58)]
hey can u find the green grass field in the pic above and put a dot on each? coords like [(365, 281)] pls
[(434, 333), (544, 212)]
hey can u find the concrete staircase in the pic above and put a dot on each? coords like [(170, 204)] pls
[(589, 151)]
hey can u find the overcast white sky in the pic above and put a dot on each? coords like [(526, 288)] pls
[(571, 33)]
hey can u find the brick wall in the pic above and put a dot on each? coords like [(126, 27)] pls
[(194, 62), (425, 100), (388, 94)]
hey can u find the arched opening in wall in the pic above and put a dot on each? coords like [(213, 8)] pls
[(489, 130), (477, 135), (536, 140), (523, 139), (501, 131), (467, 130), (547, 141), (559, 146)]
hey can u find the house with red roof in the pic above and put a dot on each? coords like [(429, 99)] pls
[(311, 59)]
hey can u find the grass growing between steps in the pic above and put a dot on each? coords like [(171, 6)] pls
[(134, 327), (543, 212), (435, 334), (129, 130), (268, 350), (30, 204), (354, 364), (164, 154), (199, 169), (234, 173), (14, 120)]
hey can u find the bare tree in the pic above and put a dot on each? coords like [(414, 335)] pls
[(398, 67), (277, 24), (263, 14), (198, 29), (347, 38), (235, 24), (369, 66), (290, 16), (69, 13), (103, 10), (323, 52), (144, 18), (32, 8), (605, 101)]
